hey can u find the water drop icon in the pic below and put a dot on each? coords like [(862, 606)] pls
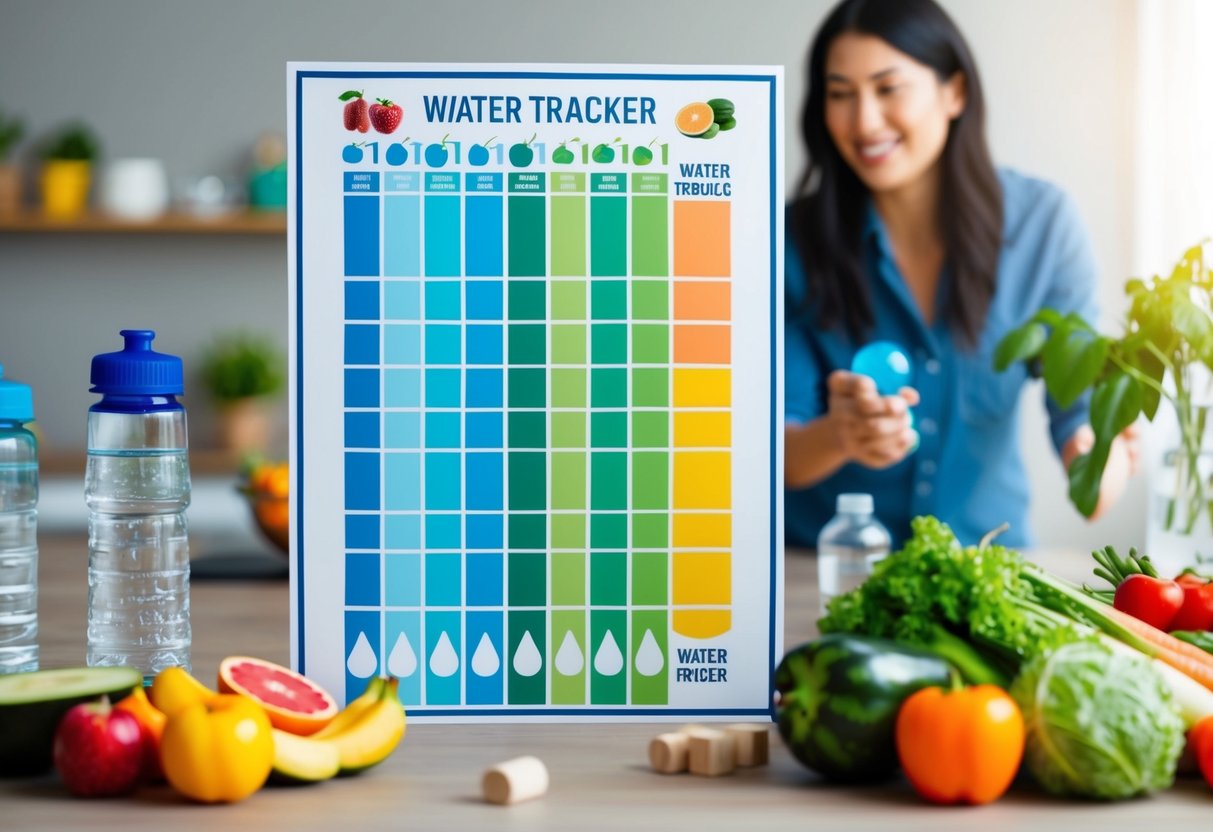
[(402, 661), (569, 659), (527, 661), (608, 660), (485, 661), (362, 661), (649, 659), (444, 661)]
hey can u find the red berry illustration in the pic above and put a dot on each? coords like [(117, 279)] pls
[(355, 114), (386, 115)]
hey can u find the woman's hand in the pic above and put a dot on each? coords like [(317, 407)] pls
[(1124, 458), (870, 429)]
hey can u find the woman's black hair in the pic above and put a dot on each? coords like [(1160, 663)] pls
[(826, 220)]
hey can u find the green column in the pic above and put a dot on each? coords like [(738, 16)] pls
[(568, 224), (609, 656), (527, 640), (650, 657), (569, 653), (608, 224), (650, 225), (527, 226)]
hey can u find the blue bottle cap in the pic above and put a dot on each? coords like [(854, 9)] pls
[(137, 370), (16, 400), (887, 365)]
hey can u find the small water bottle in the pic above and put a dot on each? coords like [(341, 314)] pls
[(137, 486), (849, 546), (18, 527)]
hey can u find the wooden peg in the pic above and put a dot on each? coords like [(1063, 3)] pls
[(710, 752), (751, 739), (668, 752), (515, 780)]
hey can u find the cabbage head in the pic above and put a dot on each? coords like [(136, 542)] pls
[(1100, 724)]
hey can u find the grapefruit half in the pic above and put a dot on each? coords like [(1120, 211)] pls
[(293, 702), (694, 119)]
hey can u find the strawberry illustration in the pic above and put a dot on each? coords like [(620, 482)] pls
[(385, 115), (355, 114)]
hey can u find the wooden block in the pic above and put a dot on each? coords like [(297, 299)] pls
[(515, 780), (711, 753), (668, 752), (751, 740)]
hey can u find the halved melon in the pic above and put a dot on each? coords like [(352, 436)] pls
[(293, 702), (694, 119)]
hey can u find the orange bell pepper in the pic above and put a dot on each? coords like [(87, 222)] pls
[(152, 722), (960, 746), (219, 750)]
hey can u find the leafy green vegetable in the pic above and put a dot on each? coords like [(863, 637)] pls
[(1099, 724), (983, 608), (972, 606)]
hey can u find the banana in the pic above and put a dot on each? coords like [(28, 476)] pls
[(303, 759), (374, 734), (362, 735), (353, 711)]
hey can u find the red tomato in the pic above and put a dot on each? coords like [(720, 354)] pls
[(1152, 600), (1197, 610)]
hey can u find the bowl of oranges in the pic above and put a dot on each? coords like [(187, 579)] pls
[(266, 484)]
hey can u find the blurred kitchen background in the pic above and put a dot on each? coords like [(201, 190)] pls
[(1110, 99)]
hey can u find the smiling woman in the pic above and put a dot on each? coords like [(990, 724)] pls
[(905, 231)]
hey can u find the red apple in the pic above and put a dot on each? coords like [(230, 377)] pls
[(98, 750)]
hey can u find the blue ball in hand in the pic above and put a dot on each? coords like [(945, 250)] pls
[(886, 364)]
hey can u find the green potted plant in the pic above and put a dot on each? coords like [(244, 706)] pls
[(1164, 354), (67, 165), (241, 371), (12, 129)]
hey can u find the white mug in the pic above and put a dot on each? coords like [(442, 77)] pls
[(135, 189)]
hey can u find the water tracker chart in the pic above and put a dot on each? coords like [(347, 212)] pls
[(535, 381)]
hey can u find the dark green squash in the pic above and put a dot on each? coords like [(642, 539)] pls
[(837, 702)]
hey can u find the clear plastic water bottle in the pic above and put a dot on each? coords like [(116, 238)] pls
[(849, 546), (18, 527), (137, 488)]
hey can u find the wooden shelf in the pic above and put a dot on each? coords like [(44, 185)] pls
[(257, 223)]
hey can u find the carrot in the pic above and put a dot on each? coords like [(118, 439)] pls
[(1186, 658)]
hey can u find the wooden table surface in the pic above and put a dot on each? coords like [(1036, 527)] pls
[(599, 773)]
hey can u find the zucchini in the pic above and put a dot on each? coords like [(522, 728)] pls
[(31, 705), (837, 702)]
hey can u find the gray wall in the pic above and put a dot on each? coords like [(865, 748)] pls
[(195, 83)]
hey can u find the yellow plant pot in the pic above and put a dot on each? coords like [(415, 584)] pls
[(65, 186)]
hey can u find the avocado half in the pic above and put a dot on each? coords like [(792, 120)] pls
[(31, 705)]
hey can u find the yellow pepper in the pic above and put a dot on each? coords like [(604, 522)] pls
[(219, 750)]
